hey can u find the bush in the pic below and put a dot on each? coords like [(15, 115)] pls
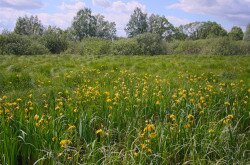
[(55, 41), (20, 45), (213, 46), (220, 46), (125, 47), (150, 44), (243, 47), (187, 47), (90, 46)]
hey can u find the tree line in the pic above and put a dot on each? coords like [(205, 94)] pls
[(85, 24), (146, 34)]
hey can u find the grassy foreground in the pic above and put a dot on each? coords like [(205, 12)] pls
[(124, 110)]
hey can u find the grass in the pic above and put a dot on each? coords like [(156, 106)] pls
[(71, 109)]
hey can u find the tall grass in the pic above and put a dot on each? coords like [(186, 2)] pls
[(130, 110)]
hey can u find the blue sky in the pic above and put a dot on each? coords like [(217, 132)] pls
[(228, 13)]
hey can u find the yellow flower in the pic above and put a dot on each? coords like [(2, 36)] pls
[(107, 93), (149, 127), (149, 151), (36, 117), (191, 117), (1, 112), (143, 146), (248, 90), (108, 100), (157, 102), (230, 117), (153, 135), (99, 131), (65, 143), (4, 97), (71, 127), (211, 131), (227, 103), (187, 125), (135, 154), (54, 139), (173, 117), (18, 99)]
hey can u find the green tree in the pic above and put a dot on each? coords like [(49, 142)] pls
[(161, 26), (203, 30), (190, 30), (149, 43), (211, 30), (29, 26), (137, 23), (105, 29), (55, 40), (84, 24), (236, 33), (247, 33)]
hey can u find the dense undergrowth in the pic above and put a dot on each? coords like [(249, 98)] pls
[(144, 44)]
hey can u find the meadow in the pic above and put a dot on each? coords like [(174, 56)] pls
[(176, 109)]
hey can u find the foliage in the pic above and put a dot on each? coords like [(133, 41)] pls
[(87, 25), (90, 46), (84, 24), (125, 47), (236, 33), (203, 30), (137, 23), (105, 29), (187, 47), (220, 46), (149, 43), (29, 26), (161, 26), (247, 33), (55, 40), (20, 45), (212, 46)]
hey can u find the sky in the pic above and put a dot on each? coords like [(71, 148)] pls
[(58, 13)]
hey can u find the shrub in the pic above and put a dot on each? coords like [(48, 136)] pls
[(20, 45), (220, 46), (125, 47), (149, 43), (243, 47), (187, 47), (55, 41), (90, 46)]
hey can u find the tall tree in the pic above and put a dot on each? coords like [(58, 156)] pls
[(191, 29), (236, 33), (137, 23), (161, 26), (29, 26), (247, 33), (203, 30), (84, 24), (211, 30), (105, 29)]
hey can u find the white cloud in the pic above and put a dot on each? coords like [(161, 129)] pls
[(236, 11), (103, 3), (176, 21), (118, 12), (21, 4), (62, 18), (77, 5)]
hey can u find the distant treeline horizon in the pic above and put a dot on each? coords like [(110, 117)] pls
[(146, 34)]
